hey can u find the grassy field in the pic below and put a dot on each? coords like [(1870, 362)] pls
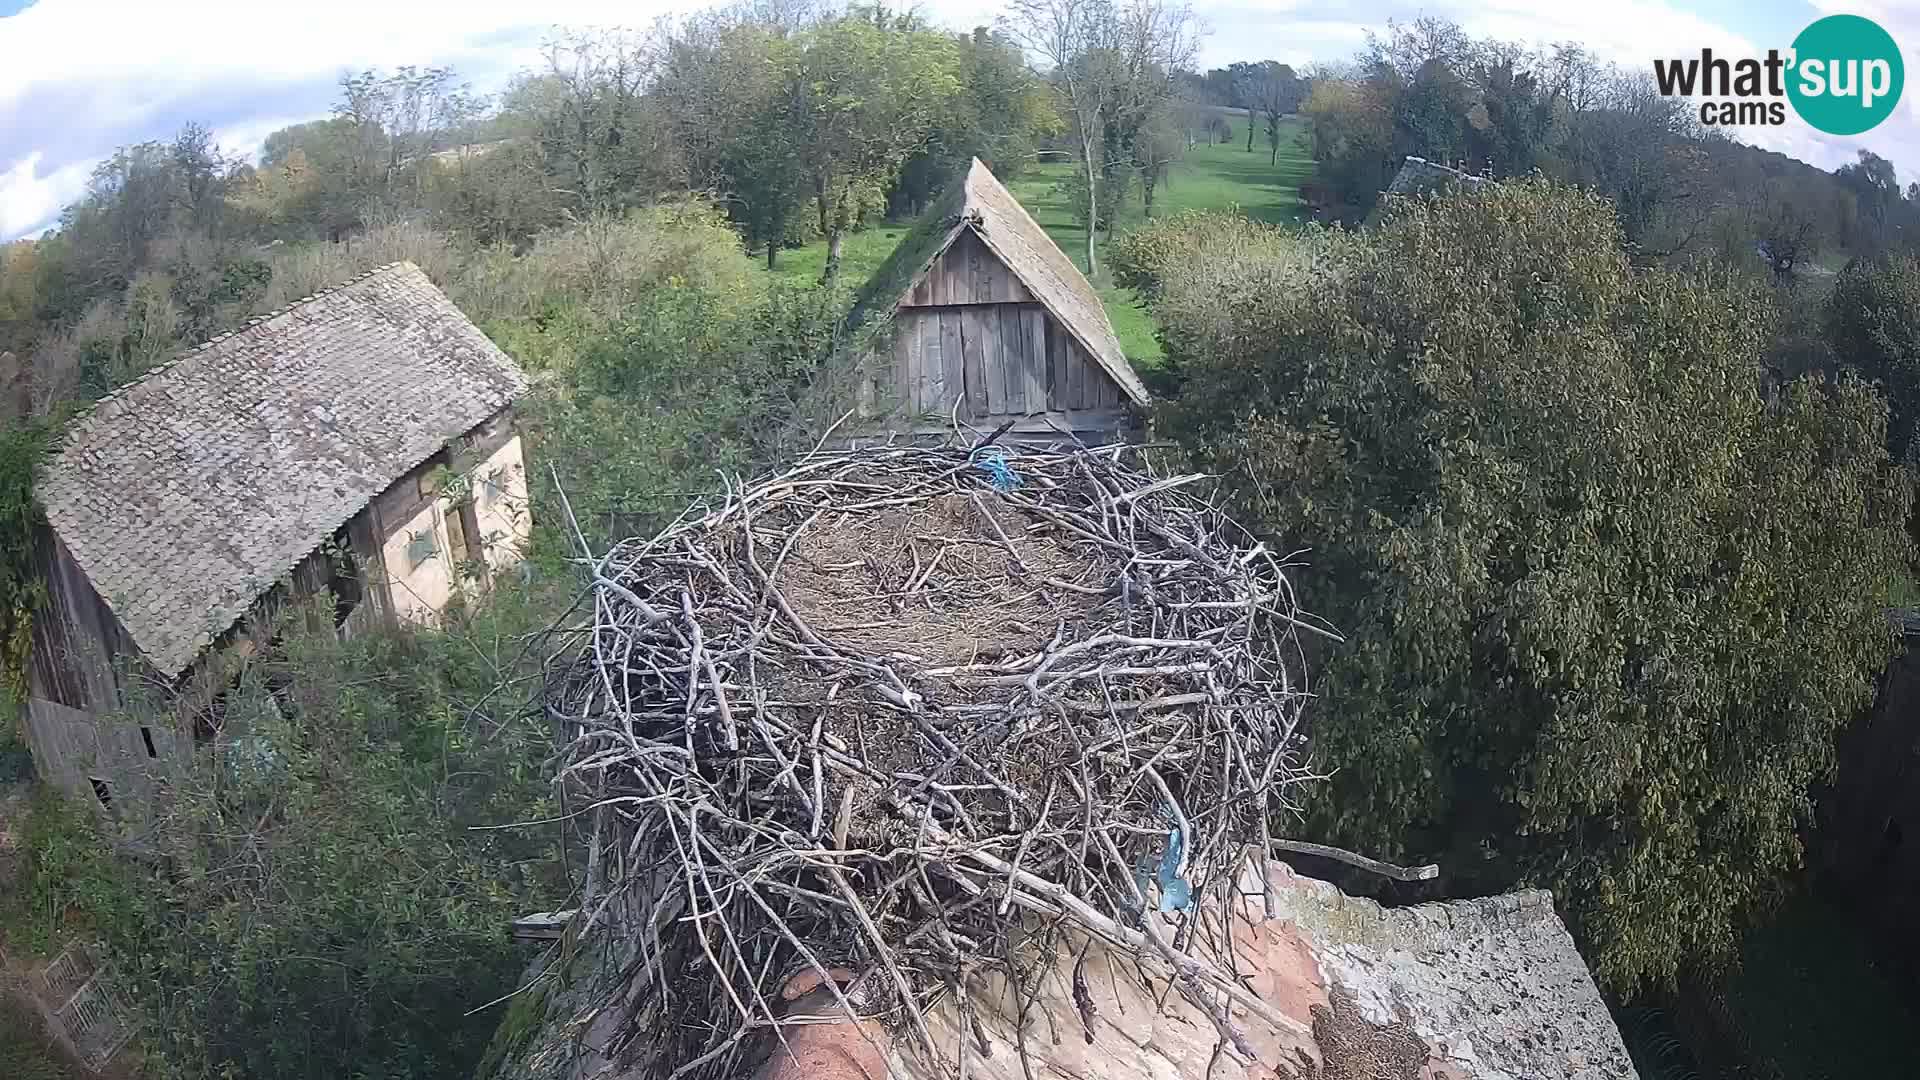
[(1223, 177)]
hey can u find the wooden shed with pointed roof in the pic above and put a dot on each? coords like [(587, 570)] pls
[(984, 320)]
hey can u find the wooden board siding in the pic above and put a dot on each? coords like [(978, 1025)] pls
[(76, 639), (967, 273), (1003, 359)]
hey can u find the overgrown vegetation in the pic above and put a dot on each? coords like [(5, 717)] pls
[(321, 860), (1605, 611), (1605, 608), (1683, 191), (1872, 325), (22, 446), (328, 884), (22, 1054)]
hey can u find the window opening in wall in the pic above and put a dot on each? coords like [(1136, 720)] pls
[(343, 578), (420, 548), (492, 486), (146, 736), (457, 531), (101, 791)]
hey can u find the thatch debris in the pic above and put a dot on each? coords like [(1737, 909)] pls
[(916, 714)]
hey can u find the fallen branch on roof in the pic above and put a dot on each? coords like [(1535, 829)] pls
[(920, 714), (1374, 866)]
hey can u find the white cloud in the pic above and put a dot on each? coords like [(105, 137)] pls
[(30, 201), (81, 77)]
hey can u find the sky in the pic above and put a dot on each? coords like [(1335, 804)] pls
[(79, 78)]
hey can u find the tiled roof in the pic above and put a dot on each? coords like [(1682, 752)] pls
[(1417, 174), (1482, 989), (186, 494), (1493, 986)]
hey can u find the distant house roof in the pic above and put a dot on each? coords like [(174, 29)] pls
[(186, 494), (981, 203), (1417, 175)]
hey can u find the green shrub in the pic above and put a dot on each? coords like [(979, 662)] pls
[(1872, 324), (1605, 611), (321, 901), (693, 385)]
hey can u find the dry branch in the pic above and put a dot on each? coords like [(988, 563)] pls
[(1011, 710)]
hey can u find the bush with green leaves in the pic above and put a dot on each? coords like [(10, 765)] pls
[(694, 384), (23, 446), (1605, 610), (328, 884), (1873, 327)]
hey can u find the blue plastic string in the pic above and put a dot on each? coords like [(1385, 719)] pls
[(1000, 474)]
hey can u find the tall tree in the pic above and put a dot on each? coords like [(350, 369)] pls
[(871, 86), (1000, 115), (607, 142), (1112, 63), (1610, 658), (1273, 90), (732, 88), (1875, 187)]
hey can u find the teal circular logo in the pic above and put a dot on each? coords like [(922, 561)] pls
[(1846, 74)]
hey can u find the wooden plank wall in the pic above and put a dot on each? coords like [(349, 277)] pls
[(76, 639), (968, 273), (970, 332), (73, 748), (1003, 359)]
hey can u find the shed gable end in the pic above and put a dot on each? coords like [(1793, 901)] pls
[(967, 272)]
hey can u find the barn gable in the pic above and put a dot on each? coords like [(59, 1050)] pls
[(990, 322)]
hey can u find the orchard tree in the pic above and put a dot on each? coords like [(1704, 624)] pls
[(733, 90), (870, 87), (1604, 610), (1112, 64)]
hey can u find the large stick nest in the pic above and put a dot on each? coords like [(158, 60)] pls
[(922, 715)]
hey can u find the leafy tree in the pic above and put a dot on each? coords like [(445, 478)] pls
[(398, 121), (1244, 81), (1351, 121), (1873, 326), (1154, 149), (1512, 126), (1112, 65), (870, 87), (23, 445), (1272, 90), (1000, 115), (732, 87), (605, 139), (1604, 611), (1873, 183)]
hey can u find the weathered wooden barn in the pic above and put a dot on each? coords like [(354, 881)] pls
[(982, 319), (358, 443)]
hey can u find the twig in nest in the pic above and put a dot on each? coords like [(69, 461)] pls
[(993, 734)]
